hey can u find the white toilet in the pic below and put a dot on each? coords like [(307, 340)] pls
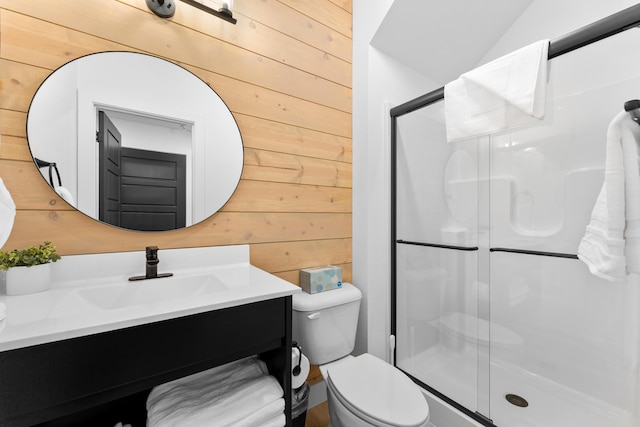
[(362, 390)]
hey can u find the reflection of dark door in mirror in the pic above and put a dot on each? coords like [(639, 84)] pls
[(153, 190), (109, 140), (139, 189)]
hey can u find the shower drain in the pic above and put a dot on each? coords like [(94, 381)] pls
[(514, 399)]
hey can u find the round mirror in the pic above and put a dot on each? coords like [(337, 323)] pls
[(135, 141)]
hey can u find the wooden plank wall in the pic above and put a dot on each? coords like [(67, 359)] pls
[(284, 71)]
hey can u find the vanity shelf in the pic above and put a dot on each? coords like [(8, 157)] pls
[(104, 378)]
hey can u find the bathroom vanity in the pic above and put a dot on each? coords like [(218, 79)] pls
[(90, 354)]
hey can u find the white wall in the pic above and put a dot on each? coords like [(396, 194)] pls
[(380, 80), (57, 134), (551, 19)]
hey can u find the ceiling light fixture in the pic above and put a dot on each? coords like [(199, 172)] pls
[(166, 9), (162, 8), (223, 13)]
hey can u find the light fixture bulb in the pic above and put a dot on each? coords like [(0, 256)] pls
[(226, 8)]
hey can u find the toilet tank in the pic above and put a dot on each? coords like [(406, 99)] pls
[(324, 324)]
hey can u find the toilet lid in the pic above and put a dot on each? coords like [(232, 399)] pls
[(379, 391)]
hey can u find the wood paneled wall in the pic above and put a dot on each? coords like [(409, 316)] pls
[(284, 71)]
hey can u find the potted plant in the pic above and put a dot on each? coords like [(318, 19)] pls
[(29, 269)]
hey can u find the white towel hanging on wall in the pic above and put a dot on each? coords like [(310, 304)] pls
[(611, 244), (505, 93)]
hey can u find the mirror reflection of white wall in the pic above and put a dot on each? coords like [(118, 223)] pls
[(62, 125)]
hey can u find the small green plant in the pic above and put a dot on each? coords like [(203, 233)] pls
[(28, 257)]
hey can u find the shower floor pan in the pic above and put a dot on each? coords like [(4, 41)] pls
[(549, 404)]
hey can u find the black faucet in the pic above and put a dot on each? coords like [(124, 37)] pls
[(151, 270)]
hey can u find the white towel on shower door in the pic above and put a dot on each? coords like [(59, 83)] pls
[(611, 244), (505, 93)]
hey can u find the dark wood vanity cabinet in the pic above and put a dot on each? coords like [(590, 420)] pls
[(102, 379)]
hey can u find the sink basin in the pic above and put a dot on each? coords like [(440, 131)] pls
[(151, 291)]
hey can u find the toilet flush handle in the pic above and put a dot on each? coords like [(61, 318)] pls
[(314, 316)]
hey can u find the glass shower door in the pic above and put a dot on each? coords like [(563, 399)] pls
[(563, 340), (494, 312), (436, 246)]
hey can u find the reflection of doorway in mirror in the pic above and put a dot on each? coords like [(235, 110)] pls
[(157, 172)]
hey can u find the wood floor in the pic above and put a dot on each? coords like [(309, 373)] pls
[(318, 416)]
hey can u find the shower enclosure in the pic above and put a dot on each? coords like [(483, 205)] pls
[(491, 309)]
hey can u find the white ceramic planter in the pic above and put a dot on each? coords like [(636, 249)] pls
[(28, 280)]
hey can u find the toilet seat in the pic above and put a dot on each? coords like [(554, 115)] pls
[(377, 392)]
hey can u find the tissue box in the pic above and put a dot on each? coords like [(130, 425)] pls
[(320, 279)]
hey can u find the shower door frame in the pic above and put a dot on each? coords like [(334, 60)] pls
[(601, 29)]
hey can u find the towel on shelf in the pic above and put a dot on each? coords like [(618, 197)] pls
[(66, 195), (7, 213), (222, 406), (505, 93), (223, 375), (270, 415), (241, 393), (277, 421), (611, 244)]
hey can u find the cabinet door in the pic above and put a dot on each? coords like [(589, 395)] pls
[(51, 380)]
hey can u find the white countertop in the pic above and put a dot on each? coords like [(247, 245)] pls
[(91, 293)]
